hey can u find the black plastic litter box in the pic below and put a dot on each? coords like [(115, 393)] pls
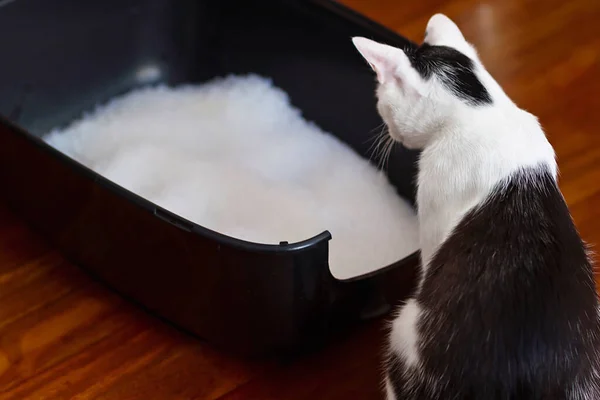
[(59, 58)]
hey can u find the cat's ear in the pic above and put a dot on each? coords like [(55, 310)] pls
[(389, 63), (442, 30)]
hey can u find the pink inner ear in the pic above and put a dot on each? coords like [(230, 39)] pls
[(390, 64), (378, 56), (378, 72)]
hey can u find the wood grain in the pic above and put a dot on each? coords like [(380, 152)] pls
[(63, 336)]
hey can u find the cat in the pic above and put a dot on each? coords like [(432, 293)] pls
[(506, 305)]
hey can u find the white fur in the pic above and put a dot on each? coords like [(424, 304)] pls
[(406, 322), (466, 150), (234, 156), (459, 168), (389, 392)]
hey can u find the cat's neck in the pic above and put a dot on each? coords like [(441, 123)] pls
[(498, 139), (477, 149), (487, 121)]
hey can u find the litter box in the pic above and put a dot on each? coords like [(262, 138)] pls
[(60, 58)]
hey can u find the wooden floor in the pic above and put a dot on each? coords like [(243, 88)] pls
[(63, 336)]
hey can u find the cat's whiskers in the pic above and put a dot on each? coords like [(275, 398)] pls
[(391, 145), (377, 128), (383, 149), (380, 148), (376, 139)]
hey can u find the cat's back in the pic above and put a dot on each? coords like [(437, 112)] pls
[(509, 307)]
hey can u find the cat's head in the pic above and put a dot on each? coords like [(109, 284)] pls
[(422, 89)]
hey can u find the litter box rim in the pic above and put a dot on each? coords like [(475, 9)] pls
[(375, 29), (163, 213), (176, 282)]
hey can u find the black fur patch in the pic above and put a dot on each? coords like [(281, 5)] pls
[(453, 68), (510, 301)]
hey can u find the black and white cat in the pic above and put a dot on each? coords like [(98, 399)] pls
[(506, 307)]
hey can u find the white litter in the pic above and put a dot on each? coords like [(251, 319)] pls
[(234, 156)]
